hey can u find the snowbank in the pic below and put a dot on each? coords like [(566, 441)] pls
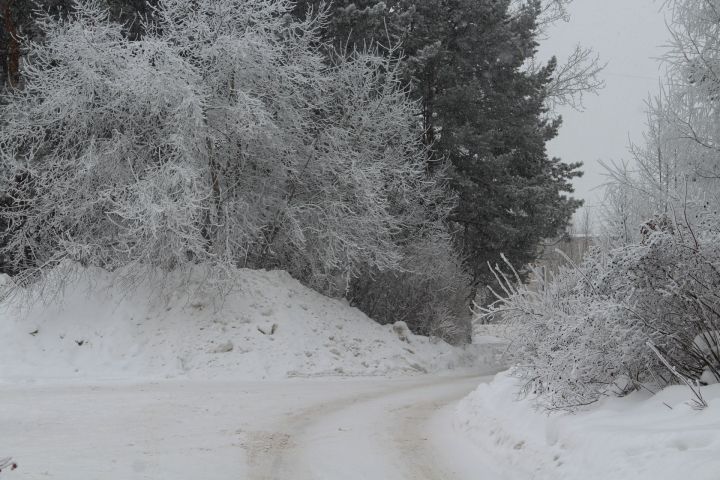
[(640, 437), (270, 326)]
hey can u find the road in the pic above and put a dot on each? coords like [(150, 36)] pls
[(299, 429)]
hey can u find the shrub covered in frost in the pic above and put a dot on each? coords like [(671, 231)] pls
[(222, 136), (586, 332), (430, 292), (647, 309)]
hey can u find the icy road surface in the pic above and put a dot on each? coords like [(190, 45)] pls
[(299, 429)]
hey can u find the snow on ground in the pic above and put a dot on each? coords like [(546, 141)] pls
[(641, 436), (143, 382), (114, 382), (269, 327), (360, 428)]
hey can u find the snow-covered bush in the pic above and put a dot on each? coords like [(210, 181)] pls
[(430, 293), (222, 136), (549, 330), (649, 298), (586, 332)]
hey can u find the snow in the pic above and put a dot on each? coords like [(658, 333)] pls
[(269, 327), (114, 376), (301, 429), (641, 436), (274, 380)]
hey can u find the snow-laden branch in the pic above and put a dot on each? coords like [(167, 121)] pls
[(221, 136)]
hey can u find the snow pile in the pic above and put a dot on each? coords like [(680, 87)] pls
[(492, 334), (269, 326), (641, 436)]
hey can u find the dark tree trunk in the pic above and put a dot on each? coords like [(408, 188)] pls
[(12, 46)]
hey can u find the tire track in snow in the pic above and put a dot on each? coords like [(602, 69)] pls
[(413, 440), (370, 434), (270, 453)]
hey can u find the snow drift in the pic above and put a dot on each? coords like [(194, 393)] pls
[(268, 326), (641, 436)]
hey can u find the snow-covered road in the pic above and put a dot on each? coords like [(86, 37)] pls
[(339, 429)]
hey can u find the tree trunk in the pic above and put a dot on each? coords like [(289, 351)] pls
[(12, 52)]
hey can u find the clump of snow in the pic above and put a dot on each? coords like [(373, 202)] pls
[(496, 334), (641, 436), (269, 326)]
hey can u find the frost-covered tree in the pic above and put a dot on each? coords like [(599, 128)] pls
[(222, 136), (484, 108), (644, 311), (675, 170), (18, 20)]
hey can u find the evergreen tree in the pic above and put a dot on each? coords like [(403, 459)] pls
[(482, 112), (485, 114), (360, 23)]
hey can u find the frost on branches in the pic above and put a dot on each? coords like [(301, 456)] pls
[(585, 334), (644, 310), (222, 136), (675, 170)]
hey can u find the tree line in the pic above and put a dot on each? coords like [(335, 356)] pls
[(385, 151)]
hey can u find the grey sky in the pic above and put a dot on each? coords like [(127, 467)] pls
[(629, 35)]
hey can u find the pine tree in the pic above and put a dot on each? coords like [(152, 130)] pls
[(482, 111), (360, 23), (485, 114)]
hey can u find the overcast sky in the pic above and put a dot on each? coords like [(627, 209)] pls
[(629, 36)]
